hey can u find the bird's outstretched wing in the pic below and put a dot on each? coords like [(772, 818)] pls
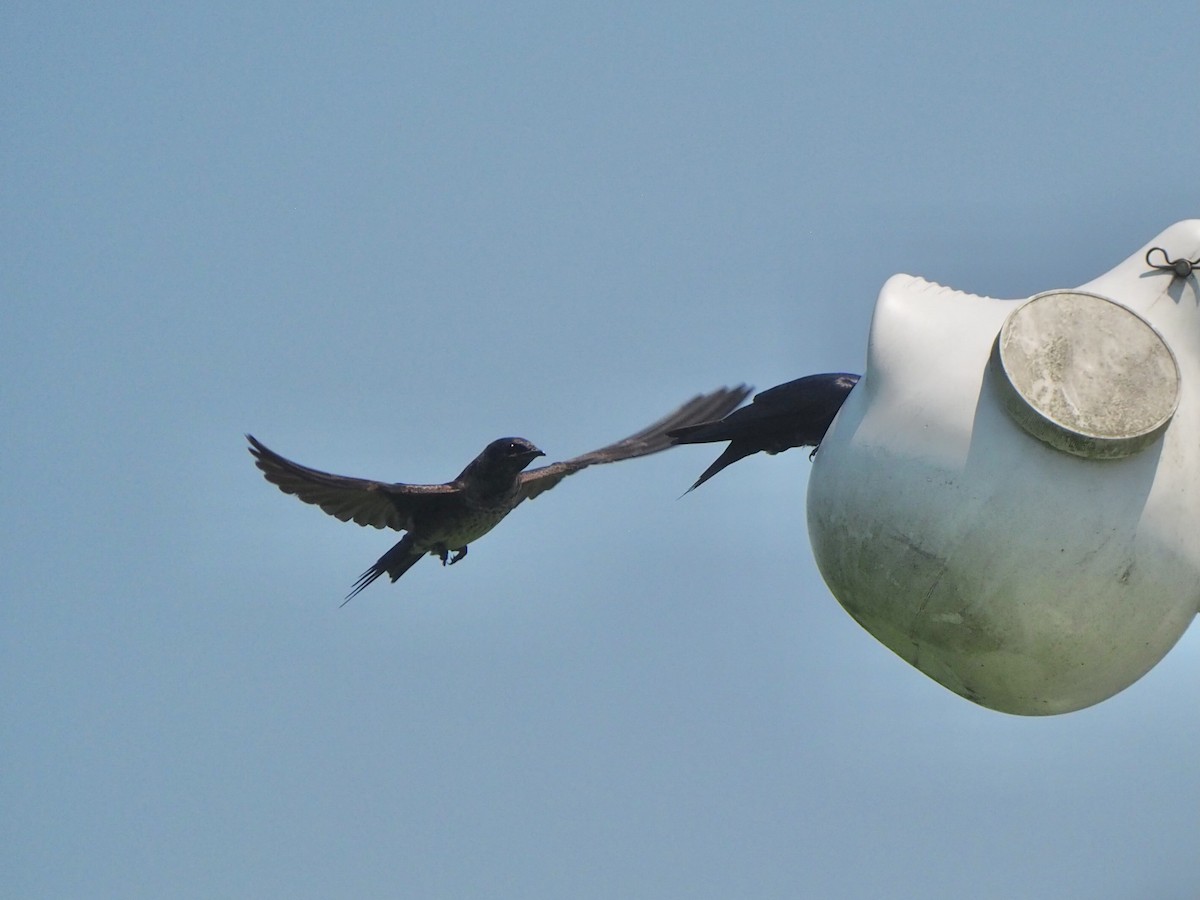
[(651, 439), (374, 503)]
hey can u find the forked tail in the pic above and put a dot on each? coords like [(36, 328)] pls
[(395, 563)]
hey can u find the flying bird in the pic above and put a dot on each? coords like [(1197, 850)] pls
[(795, 414), (441, 519)]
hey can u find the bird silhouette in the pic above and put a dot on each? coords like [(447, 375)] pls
[(441, 519), (794, 414)]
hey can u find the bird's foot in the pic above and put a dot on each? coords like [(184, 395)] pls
[(441, 551), (458, 554)]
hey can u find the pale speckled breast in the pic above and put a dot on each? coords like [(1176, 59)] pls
[(481, 515)]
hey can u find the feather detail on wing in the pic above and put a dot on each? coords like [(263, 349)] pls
[(371, 503), (651, 439)]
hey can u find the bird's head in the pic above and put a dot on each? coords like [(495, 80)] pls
[(510, 454), (495, 470)]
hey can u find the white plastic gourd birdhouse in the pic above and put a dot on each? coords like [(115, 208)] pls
[(1010, 498)]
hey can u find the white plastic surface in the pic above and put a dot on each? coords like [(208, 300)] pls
[(1085, 375), (1024, 578)]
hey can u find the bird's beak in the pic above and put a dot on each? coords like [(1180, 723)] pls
[(533, 454)]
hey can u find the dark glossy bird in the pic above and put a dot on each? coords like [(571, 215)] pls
[(795, 414), (440, 519)]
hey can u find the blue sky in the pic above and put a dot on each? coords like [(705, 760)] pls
[(379, 236)]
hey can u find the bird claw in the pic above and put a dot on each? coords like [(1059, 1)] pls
[(443, 553)]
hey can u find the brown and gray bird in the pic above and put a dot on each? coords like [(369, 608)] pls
[(440, 519), (795, 414)]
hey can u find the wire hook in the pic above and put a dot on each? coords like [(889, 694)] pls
[(1182, 267)]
